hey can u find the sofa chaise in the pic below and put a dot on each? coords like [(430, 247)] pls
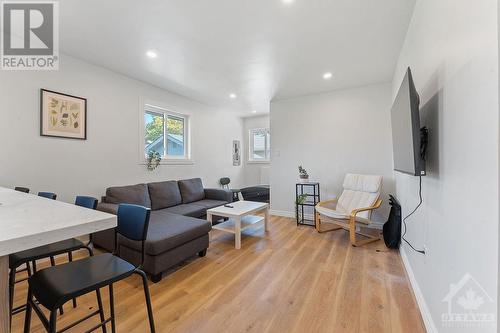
[(177, 229)]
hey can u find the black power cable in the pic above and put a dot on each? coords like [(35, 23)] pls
[(407, 216)]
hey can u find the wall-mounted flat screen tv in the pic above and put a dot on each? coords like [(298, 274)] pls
[(408, 152)]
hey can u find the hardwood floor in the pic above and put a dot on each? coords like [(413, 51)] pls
[(291, 280)]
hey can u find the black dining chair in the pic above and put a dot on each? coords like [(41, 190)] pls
[(87, 202), (22, 189), (26, 257), (224, 182), (54, 286), (48, 195)]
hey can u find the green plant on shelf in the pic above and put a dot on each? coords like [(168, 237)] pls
[(301, 199)]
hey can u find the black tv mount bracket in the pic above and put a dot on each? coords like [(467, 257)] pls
[(424, 141)]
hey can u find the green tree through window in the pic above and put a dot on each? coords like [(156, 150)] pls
[(164, 133)]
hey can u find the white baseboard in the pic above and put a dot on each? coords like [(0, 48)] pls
[(422, 305), (283, 213)]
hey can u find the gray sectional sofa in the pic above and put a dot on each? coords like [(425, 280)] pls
[(177, 228)]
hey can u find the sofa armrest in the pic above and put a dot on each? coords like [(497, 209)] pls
[(219, 194), (108, 208)]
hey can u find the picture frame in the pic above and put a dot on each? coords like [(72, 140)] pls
[(236, 153), (62, 115)]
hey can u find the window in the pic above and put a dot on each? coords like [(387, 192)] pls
[(166, 133), (260, 145)]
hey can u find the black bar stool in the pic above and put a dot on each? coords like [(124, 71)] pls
[(54, 286), (26, 257)]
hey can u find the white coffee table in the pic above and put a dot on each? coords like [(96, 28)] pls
[(240, 218)]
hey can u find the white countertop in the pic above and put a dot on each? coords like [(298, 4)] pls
[(28, 221)]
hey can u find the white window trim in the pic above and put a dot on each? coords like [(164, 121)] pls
[(152, 106), (251, 160)]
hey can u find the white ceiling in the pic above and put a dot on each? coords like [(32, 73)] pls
[(259, 49)]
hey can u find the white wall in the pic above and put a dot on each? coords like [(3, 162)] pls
[(331, 134), (452, 49), (110, 154), (255, 173)]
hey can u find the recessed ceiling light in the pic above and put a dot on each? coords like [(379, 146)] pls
[(232, 96), (151, 54), (254, 111), (287, 1), (327, 76)]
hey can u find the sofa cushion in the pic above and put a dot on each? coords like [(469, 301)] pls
[(108, 208), (132, 194), (209, 203), (167, 231), (187, 210), (191, 190), (164, 194)]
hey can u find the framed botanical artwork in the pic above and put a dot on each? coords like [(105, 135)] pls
[(62, 115)]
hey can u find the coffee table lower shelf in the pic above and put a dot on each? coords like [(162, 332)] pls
[(248, 221)]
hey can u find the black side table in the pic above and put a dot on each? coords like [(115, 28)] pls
[(304, 211)]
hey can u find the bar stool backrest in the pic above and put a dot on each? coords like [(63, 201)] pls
[(22, 189), (133, 223), (48, 195), (224, 182), (86, 202)]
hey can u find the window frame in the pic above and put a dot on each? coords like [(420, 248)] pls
[(267, 145), (166, 112)]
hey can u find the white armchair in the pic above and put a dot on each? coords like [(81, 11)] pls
[(353, 208)]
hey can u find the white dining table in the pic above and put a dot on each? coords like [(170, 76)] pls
[(28, 221)]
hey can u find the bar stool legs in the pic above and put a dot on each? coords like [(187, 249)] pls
[(101, 310), (53, 321), (27, 318), (148, 299), (112, 308), (70, 259)]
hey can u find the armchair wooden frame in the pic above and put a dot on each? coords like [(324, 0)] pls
[(349, 223)]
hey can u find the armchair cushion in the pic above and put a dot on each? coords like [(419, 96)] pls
[(339, 213), (191, 190), (360, 191), (362, 183)]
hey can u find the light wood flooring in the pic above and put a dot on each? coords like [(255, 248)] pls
[(290, 280)]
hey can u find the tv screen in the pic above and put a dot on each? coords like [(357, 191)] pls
[(405, 119)]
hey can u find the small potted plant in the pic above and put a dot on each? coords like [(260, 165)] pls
[(153, 160), (301, 199), (303, 175)]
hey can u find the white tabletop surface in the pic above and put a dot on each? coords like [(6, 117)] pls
[(28, 221), (239, 208)]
